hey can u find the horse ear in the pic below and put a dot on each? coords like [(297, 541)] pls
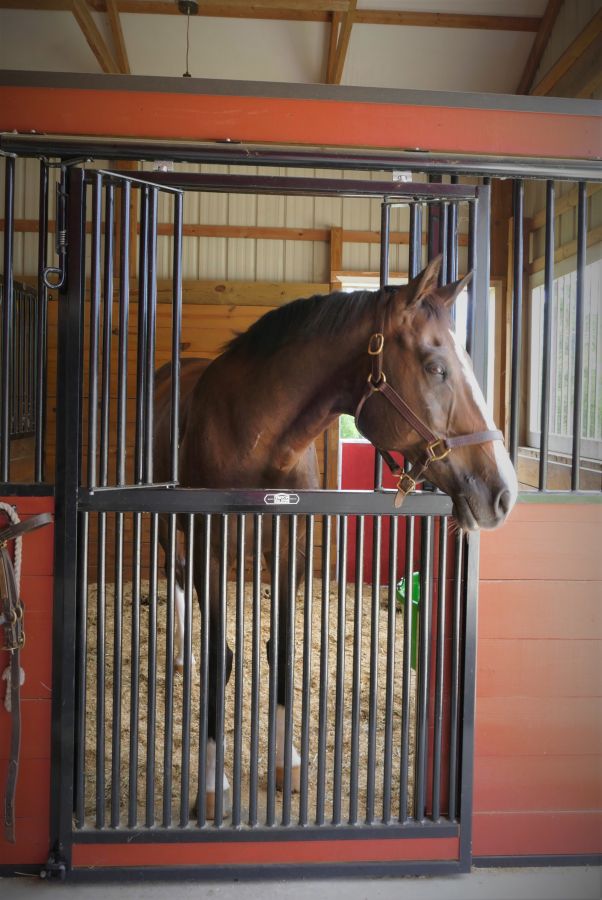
[(426, 282), (449, 293)]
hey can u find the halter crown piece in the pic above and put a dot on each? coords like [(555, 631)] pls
[(436, 448)]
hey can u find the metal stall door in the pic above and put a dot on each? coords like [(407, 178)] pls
[(375, 729)]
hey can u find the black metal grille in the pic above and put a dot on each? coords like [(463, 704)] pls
[(22, 360)]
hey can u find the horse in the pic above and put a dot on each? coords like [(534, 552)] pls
[(250, 419)]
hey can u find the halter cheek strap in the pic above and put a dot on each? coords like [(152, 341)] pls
[(437, 448)]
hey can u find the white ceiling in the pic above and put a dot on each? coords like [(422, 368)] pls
[(262, 50)]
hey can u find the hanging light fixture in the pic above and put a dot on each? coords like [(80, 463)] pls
[(188, 8)]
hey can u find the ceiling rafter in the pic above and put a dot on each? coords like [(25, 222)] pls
[(118, 38), (332, 46), (94, 38), (539, 45), (300, 10), (570, 57), (344, 35)]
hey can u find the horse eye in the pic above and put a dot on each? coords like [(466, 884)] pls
[(436, 369)]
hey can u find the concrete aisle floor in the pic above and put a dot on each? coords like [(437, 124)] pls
[(555, 883)]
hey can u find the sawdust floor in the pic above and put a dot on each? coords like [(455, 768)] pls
[(101, 716)]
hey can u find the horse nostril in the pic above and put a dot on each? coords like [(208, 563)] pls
[(503, 503)]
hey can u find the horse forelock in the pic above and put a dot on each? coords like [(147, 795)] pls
[(322, 315)]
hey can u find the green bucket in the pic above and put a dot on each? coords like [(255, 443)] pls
[(401, 596)]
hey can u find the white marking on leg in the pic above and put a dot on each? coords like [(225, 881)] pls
[(210, 769), (504, 465), (280, 730), (180, 610)]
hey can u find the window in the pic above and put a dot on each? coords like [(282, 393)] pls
[(562, 358)]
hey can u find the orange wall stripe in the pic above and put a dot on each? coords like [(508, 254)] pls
[(245, 853), (298, 121)]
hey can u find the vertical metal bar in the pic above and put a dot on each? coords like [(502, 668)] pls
[(579, 334), (255, 669), (238, 668), (517, 314), (135, 670), (221, 673), (187, 674), (471, 261), (390, 671), (42, 327), (151, 711), (7, 317), (149, 366), (94, 330), (478, 289), (452, 238), (107, 326), (339, 720), (81, 669), (373, 684), (204, 672), (407, 672), (117, 679), (547, 336), (176, 329), (439, 668), (141, 382), (468, 699), (415, 240), (307, 663), (356, 683), (385, 231), (323, 688), (454, 713), (424, 660), (273, 673), (68, 450), (169, 674), (289, 670), (124, 316), (444, 239), (100, 670)]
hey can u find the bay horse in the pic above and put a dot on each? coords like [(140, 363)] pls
[(249, 419)]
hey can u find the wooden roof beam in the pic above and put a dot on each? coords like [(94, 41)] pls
[(570, 57), (118, 38), (299, 10), (344, 36), (93, 37), (539, 45)]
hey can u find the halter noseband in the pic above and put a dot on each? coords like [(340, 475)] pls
[(437, 448)]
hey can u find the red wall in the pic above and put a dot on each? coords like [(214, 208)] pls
[(33, 788), (538, 764)]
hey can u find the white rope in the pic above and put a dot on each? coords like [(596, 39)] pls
[(12, 514)]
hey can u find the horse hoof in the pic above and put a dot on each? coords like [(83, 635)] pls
[(295, 778), (210, 805)]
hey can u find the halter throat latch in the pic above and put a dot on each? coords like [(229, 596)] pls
[(436, 448)]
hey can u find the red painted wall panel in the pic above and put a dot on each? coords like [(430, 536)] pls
[(538, 745)]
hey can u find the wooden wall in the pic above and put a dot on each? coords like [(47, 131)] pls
[(538, 763)]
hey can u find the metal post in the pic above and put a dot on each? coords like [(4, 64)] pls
[(579, 335), (517, 316), (547, 337)]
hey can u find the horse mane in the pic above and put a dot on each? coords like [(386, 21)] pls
[(323, 315)]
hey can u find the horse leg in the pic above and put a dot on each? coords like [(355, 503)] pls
[(284, 610), (213, 681), (179, 598)]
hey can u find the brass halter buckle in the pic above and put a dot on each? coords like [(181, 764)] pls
[(437, 450), (406, 484), (376, 386), (375, 349)]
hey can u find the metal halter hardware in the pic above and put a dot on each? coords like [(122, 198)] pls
[(436, 449)]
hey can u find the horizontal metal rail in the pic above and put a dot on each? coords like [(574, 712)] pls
[(65, 147), (198, 500)]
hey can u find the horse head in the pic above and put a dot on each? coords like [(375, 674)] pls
[(437, 415)]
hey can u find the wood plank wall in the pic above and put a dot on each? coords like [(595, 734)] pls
[(538, 763)]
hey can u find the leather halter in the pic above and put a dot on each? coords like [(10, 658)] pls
[(437, 448), (12, 623)]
